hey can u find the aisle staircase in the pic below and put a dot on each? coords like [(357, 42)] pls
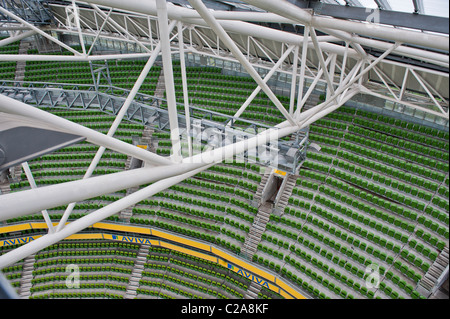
[(161, 85), (258, 227), (285, 193), (146, 139), (259, 190), (253, 291), (27, 276), (20, 67), (432, 280), (136, 274)]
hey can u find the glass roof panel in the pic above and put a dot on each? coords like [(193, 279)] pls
[(437, 8)]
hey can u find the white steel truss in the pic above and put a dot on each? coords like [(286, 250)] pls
[(339, 63)]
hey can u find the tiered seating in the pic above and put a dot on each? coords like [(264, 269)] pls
[(8, 69), (102, 265), (14, 272), (123, 74), (211, 90), (57, 72), (365, 208), (171, 274), (215, 205), (71, 163)]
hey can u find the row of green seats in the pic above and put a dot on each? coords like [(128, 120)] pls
[(386, 192), (425, 160), (192, 222), (398, 173), (324, 268), (73, 164), (400, 142), (82, 286), (387, 180), (177, 229), (394, 161), (316, 166), (189, 200), (240, 214), (320, 157), (326, 131), (86, 253), (359, 231), (323, 139), (311, 174), (403, 124), (331, 123), (64, 261)]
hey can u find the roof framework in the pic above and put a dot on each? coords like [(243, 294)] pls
[(329, 52)]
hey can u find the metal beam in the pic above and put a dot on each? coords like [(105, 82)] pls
[(12, 106), (383, 5), (418, 6), (92, 218), (225, 38), (164, 35), (394, 18)]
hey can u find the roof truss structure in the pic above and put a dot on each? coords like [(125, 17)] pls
[(330, 53)]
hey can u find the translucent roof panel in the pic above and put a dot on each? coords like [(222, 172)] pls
[(437, 8)]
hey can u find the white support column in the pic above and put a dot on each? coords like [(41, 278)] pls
[(169, 79), (421, 82), (229, 43), (344, 63), (385, 83), (294, 81), (332, 70), (99, 31), (301, 82), (13, 106), (185, 87), (405, 78), (92, 218), (321, 60), (266, 79), (77, 22), (119, 117), (33, 185), (302, 102), (36, 29), (16, 38), (119, 27)]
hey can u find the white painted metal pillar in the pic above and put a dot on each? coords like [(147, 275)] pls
[(94, 217), (301, 82), (218, 29), (119, 117), (36, 29), (321, 60), (32, 182), (16, 38), (266, 79), (332, 70), (169, 79), (294, 81), (185, 87), (77, 22), (344, 63), (13, 106)]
